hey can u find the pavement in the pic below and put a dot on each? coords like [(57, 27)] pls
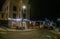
[(30, 34), (56, 31), (34, 34), (9, 30)]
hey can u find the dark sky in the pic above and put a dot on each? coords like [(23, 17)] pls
[(41, 9), (45, 9)]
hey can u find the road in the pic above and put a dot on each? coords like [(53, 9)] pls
[(35, 34)]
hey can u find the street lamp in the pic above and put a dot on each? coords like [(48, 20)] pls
[(23, 8)]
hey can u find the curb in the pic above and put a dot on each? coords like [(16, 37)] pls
[(14, 30)]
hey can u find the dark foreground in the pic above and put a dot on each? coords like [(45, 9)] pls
[(36, 34)]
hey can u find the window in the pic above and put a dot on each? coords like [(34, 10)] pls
[(14, 15), (14, 8), (2, 15), (7, 7)]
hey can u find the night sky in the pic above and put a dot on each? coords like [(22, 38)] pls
[(41, 9)]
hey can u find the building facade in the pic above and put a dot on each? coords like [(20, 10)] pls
[(3, 19), (16, 11)]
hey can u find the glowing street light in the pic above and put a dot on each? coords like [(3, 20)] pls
[(24, 7)]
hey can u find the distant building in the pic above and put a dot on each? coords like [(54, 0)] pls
[(15, 11)]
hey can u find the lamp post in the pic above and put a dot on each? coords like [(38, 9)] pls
[(23, 8)]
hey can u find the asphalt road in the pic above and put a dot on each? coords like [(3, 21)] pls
[(36, 34)]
